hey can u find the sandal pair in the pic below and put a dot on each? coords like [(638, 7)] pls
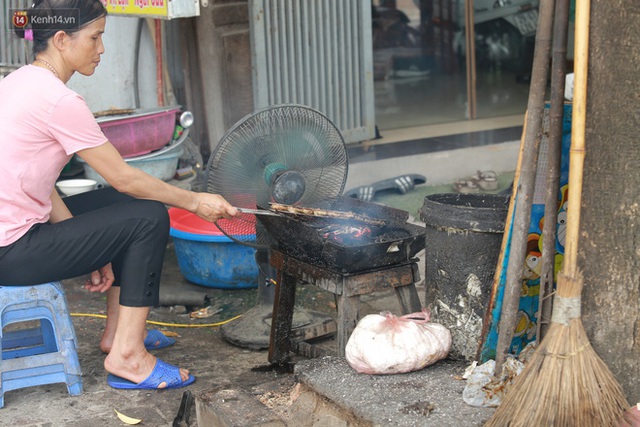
[(485, 181)]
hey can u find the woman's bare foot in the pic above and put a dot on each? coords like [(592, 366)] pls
[(135, 366), (128, 358)]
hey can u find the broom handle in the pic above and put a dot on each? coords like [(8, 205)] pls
[(578, 127)]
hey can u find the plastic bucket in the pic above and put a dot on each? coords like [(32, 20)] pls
[(462, 244), (209, 258)]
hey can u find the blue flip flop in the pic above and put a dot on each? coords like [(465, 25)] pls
[(162, 372), (156, 340)]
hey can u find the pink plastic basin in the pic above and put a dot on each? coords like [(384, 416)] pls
[(140, 133)]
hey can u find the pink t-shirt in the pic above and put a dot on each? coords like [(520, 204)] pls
[(42, 124)]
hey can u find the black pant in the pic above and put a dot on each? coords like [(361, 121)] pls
[(107, 227)]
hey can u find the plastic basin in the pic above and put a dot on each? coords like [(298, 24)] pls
[(161, 164), (209, 258), (141, 132)]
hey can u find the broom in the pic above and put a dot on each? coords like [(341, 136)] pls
[(566, 383)]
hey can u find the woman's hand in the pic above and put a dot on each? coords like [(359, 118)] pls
[(101, 280), (213, 207)]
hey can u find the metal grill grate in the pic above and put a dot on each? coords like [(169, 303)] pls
[(14, 52), (316, 53)]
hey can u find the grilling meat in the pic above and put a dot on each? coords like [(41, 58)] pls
[(324, 213)]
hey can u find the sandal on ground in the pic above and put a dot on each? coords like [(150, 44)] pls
[(366, 193), (156, 340), (466, 186), (487, 180), (402, 183), (162, 372), (405, 183)]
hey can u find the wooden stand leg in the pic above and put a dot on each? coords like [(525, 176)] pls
[(408, 299), (348, 315), (282, 319), (408, 295)]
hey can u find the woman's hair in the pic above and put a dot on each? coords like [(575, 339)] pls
[(46, 17)]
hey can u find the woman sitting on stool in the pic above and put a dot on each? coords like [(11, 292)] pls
[(118, 236)]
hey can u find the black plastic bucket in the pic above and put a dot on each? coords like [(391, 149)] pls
[(462, 244)]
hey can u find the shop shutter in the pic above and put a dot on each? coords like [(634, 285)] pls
[(14, 52), (316, 53)]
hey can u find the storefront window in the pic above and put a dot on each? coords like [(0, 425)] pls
[(420, 58)]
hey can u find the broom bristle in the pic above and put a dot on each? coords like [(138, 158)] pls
[(565, 383)]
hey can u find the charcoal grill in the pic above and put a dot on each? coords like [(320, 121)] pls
[(303, 253)]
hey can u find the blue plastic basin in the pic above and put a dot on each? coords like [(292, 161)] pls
[(209, 258)]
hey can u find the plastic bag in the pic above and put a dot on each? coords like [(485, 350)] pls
[(386, 344), (482, 390)]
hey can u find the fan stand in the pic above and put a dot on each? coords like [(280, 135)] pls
[(253, 329)]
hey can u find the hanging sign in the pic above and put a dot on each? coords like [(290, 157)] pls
[(146, 8)]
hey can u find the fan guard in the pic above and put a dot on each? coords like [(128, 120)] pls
[(289, 153)]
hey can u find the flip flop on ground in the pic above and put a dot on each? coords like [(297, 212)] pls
[(466, 186), (156, 340), (402, 184), (162, 372), (487, 180), (366, 193)]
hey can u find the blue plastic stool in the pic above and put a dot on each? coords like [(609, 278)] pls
[(42, 355)]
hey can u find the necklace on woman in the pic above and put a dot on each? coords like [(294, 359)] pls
[(49, 66)]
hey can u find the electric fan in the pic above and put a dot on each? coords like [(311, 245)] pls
[(290, 154)]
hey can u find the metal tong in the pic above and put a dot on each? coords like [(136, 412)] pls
[(258, 212)]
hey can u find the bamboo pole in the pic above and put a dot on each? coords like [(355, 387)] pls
[(554, 154), (524, 199), (578, 130)]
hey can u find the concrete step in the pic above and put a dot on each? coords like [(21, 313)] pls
[(327, 392)]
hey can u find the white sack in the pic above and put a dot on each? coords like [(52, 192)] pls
[(386, 344)]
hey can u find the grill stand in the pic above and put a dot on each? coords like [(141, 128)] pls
[(253, 329), (347, 286)]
